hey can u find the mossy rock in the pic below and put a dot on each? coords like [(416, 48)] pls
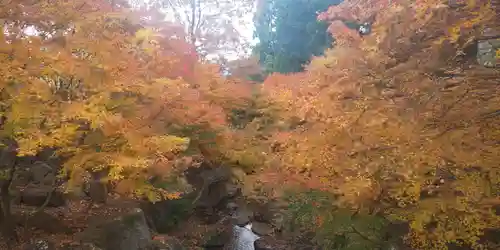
[(126, 232), (488, 53), (165, 216)]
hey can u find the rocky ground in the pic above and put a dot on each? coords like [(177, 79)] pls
[(90, 220), (219, 206)]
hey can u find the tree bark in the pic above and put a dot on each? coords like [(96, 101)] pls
[(6, 221)]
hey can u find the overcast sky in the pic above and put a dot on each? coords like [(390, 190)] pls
[(243, 24)]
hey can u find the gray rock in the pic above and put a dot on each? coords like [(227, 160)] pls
[(232, 207), (273, 213), (242, 216), (170, 244), (164, 216), (262, 229), (231, 190), (39, 244), (456, 3), (38, 174), (215, 185), (237, 175), (214, 175), (42, 174), (73, 192), (22, 177), (217, 193), (89, 246), (98, 191), (278, 221), (277, 205), (126, 232), (490, 32), (487, 52), (36, 196), (84, 246), (266, 212), (47, 223), (219, 240), (262, 244)]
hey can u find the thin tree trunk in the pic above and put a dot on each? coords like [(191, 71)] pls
[(192, 25), (6, 221)]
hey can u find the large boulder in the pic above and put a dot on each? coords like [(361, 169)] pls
[(217, 241), (264, 244), (216, 194), (487, 52), (37, 196), (43, 221), (262, 229), (215, 185), (242, 216), (164, 216), (126, 232), (34, 184), (488, 46), (272, 213)]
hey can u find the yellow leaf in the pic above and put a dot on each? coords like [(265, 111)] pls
[(143, 35), (168, 143)]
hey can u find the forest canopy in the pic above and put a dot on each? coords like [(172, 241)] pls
[(402, 123), (107, 90), (396, 127)]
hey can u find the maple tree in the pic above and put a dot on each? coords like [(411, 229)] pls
[(109, 90), (401, 123)]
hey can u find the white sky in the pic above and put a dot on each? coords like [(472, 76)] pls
[(246, 27), (243, 24)]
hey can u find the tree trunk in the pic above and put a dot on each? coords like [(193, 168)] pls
[(6, 221), (192, 25)]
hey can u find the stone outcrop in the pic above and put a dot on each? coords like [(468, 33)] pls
[(487, 52), (126, 232), (216, 200), (34, 184), (488, 45)]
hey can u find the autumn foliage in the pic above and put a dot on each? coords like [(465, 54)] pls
[(401, 123), (110, 90)]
